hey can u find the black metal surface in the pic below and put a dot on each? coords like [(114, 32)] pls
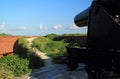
[(97, 57), (103, 31), (102, 53), (111, 6)]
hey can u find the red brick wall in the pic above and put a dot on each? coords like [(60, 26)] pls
[(7, 44)]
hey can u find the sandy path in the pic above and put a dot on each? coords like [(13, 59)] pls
[(47, 60), (30, 40), (27, 75), (54, 71)]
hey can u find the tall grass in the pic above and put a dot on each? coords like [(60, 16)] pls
[(52, 48), (20, 63), (27, 53), (5, 73), (15, 65)]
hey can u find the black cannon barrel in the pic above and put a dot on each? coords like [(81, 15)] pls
[(111, 6), (102, 51), (82, 18)]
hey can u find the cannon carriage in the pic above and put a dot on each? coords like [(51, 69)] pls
[(102, 53)]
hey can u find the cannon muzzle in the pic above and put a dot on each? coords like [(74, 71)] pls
[(82, 18)]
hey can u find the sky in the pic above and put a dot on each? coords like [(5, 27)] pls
[(41, 17)]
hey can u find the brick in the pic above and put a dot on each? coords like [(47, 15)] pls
[(7, 44)]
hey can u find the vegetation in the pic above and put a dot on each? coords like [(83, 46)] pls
[(41, 43), (24, 43), (4, 34), (15, 65), (55, 47), (25, 60), (51, 47), (24, 52), (5, 73), (20, 63), (51, 36)]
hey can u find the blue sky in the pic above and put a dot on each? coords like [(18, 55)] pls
[(40, 17)]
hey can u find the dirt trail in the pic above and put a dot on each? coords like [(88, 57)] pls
[(53, 71), (30, 43), (47, 60), (30, 40)]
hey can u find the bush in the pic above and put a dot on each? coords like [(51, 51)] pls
[(4, 34), (17, 65), (41, 43), (27, 53), (52, 48), (51, 36), (35, 61), (5, 73), (56, 48), (24, 43)]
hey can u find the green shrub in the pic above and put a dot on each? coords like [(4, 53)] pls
[(5, 73), (52, 48), (56, 48), (27, 53), (17, 65), (41, 43), (51, 36), (4, 34), (35, 61), (24, 43)]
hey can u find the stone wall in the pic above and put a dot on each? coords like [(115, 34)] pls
[(82, 40)]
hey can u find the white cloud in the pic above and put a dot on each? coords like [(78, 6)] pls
[(23, 28), (42, 27), (74, 27), (57, 27), (2, 26)]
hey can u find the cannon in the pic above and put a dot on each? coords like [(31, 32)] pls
[(102, 53)]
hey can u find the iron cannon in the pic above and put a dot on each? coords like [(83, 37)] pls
[(102, 53)]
